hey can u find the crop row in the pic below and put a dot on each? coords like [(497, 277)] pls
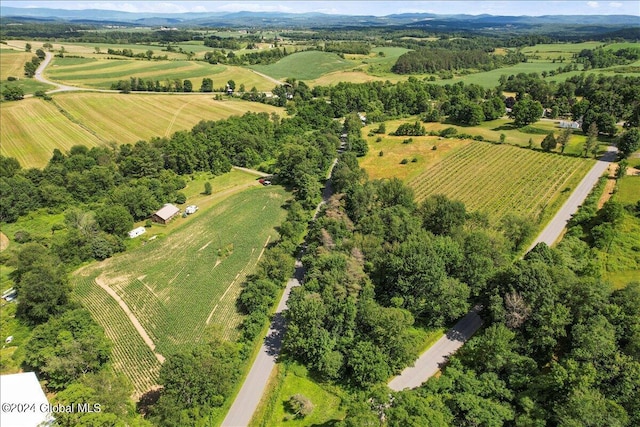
[(498, 179), (130, 354)]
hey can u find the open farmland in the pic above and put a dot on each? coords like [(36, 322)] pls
[(184, 285), (32, 128), (307, 65), (501, 179), (129, 353), (12, 65), (102, 73)]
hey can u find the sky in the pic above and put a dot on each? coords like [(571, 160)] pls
[(378, 8)]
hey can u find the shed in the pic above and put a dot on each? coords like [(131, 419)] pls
[(165, 214), (24, 389), (137, 232)]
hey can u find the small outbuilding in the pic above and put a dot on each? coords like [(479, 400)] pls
[(137, 232), (165, 214)]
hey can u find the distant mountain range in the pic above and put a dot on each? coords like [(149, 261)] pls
[(292, 20)]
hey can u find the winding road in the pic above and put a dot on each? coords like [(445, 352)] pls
[(431, 360)]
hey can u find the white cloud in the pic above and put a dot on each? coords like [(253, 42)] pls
[(593, 4), (615, 4)]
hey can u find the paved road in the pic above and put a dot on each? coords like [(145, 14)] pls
[(254, 385), (556, 226), (39, 77), (431, 360)]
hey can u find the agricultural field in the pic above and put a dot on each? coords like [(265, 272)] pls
[(501, 179), (621, 259), (88, 50), (12, 65), (32, 128), (394, 151), (102, 73), (490, 79), (129, 353), (89, 119), (421, 148), (184, 285), (307, 65)]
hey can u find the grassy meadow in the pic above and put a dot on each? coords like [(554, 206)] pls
[(32, 128), (307, 65), (294, 379), (621, 259), (193, 294)]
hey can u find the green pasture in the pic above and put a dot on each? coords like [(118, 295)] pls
[(490, 79), (620, 260), (306, 65), (11, 355)]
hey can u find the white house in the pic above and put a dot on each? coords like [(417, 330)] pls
[(24, 404), (569, 125), (137, 232)]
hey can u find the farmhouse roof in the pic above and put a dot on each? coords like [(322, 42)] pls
[(167, 211), (21, 389)]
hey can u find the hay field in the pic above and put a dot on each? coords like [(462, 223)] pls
[(184, 286), (12, 63), (102, 73), (32, 128)]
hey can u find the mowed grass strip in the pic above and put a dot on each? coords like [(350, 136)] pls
[(32, 128), (502, 179), (308, 65), (186, 283)]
